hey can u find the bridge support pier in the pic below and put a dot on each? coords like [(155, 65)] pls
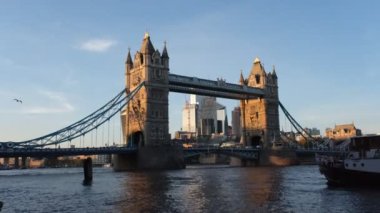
[(213, 158), (281, 157), (151, 157), (269, 157), (6, 161), (234, 161), (87, 169), (23, 163), (123, 162), (17, 163)]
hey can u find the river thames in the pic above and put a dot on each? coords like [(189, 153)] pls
[(195, 189)]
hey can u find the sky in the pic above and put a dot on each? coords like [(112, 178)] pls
[(65, 59)]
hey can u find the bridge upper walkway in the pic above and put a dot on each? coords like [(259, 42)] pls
[(218, 88)]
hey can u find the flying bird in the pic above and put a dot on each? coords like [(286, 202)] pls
[(18, 100)]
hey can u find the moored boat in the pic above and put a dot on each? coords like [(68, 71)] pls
[(359, 166)]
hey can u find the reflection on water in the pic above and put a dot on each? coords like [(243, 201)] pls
[(195, 189), (146, 192), (200, 189)]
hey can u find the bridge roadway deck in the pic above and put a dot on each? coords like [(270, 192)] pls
[(322, 151), (243, 153), (246, 153), (56, 152)]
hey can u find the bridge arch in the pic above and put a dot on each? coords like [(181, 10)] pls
[(136, 139), (255, 140)]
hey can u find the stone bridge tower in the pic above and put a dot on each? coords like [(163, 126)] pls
[(260, 116), (146, 116)]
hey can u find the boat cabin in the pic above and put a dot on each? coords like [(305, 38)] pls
[(365, 143), (365, 147)]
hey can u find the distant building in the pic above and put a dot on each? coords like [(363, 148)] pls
[(301, 138), (185, 135), (101, 159), (221, 120), (190, 117), (207, 115), (313, 132), (343, 131), (236, 122), (288, 136), (204, 116)]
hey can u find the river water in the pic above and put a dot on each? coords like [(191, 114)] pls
[(195, 189)]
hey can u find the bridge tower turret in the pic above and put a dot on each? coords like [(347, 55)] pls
[(146, 116), (128, 67), (165, 57), (260, 116)]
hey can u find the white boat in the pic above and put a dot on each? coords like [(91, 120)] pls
[(360, 166)]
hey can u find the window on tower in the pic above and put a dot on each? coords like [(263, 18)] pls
[(257, 79), (157, 73)]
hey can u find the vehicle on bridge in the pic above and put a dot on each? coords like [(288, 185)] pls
[(230, 144), (361, 166)]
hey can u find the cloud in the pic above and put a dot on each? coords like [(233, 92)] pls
[(6, 61), (58, 102), (97, 45), (9, 65)]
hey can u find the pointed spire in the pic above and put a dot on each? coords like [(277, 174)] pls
[(129, 58), (165, 51), (147, 46), (274, 72), (258, 68), (257, 60), (241, 77)]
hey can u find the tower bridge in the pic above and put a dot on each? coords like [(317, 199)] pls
[(145, 119), (144, 114)]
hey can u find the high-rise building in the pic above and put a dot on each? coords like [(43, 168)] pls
[(190, 117), (236, 122), (221, 120), (205, 116)]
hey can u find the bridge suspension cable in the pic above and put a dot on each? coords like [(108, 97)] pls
[(85, 125), (296, 125)]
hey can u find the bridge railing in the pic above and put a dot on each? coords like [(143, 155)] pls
[(243, 153), (45, 152), (322, 149)]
